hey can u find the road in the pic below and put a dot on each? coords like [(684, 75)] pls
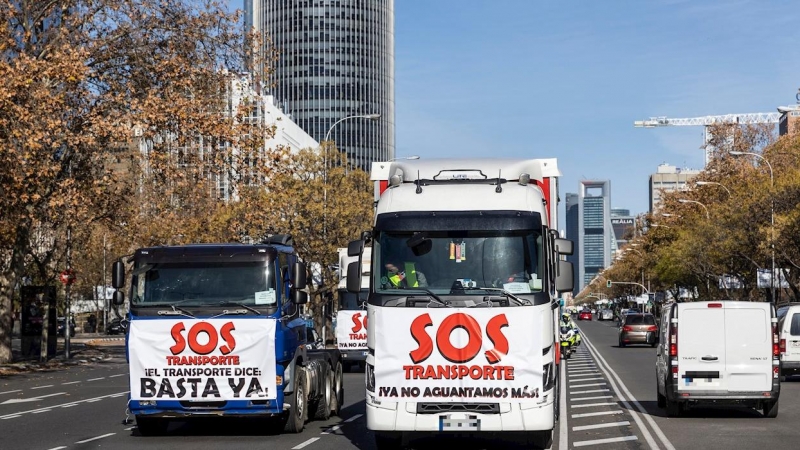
[(609, 402)]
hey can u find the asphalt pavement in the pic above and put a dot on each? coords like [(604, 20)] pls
[(608, 401)]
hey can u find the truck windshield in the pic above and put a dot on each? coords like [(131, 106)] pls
[(206, 284), (459, 262), (350, 301)]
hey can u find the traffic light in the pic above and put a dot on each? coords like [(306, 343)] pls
[(608, 283)]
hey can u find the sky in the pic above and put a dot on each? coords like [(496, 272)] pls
[(566, 80)]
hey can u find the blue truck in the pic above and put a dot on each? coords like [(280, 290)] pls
[(218, 330)]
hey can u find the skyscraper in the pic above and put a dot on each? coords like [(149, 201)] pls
[(572, 218), (595, 239), (668, 179), (336, 61)]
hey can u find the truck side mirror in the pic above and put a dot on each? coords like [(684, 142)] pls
[(355, 248), (117, 275), (299, 297), (565, 279), (563, 246), (118, 298), (354, 277), (299, 276)]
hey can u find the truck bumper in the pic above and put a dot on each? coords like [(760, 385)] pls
[(511, 417), (353, 355), (174, 409)]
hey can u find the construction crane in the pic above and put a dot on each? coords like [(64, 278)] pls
[(706, 121)]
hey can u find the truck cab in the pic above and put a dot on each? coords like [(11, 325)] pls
[(351, 316), (218, 330)]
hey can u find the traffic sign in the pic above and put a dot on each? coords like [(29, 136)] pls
[(67, 276), (608, 283)]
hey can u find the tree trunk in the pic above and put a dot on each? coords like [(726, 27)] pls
[(11, 271)]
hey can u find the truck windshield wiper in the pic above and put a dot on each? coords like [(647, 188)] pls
[(229, 303), (432, 295), (175, 308), (520, 301)]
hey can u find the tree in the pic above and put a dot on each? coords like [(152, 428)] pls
[(78, 80)]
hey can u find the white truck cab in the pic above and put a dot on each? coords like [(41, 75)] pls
[(718, 352), (789, 339)]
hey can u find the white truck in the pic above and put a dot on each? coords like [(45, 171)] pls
[(467, 268), (351, 323)]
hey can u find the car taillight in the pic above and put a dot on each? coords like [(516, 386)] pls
[(776, 348), (715, 305), (783, 346), (627, 328), (652, 328), (673, 340)]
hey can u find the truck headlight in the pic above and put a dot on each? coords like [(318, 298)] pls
[(369, 374)]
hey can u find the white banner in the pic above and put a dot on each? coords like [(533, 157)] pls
[(485, 355), (202, 359), (351, 330)]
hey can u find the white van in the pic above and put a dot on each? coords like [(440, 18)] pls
[(718, 352), (789, 339)]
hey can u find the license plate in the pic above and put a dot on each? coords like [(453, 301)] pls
[(452, 422), (365, 353)]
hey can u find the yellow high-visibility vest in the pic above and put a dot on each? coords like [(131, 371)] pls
[(410, 275)]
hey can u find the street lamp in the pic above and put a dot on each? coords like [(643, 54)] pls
[(686, 200), (659, 225), (706, 183), (670, 215), (771, 215)]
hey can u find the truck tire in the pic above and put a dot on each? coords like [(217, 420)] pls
[(388, 440), (338, 391), (346, 366), (298, 403), (151, 426), (674, 409), (660, 399), (770, 409), (322, 406), (542, 439)]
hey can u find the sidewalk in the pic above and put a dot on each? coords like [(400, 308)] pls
[(84, 348)]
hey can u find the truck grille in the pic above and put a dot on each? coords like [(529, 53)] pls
[(204, 405), (437, 408)]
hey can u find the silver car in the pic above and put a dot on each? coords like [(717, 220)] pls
[(606, 314)]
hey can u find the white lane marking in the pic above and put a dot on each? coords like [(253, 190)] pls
[(601, 413), (601, 425), (590, 391), (583, 371), (30, 399), (331, 429), (42, 387), (58, 448), (604, 441), (44, 410), (596, 397), (589, 405), (607, 369), (117, 375), (71, 382), (95, 379), (95, 438), (129, 428), (576, 379), (63, 405), (306, 443), (563, 429), (11, 392), (354, 418), (587, 385)]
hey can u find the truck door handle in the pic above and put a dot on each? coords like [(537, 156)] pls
[(709, 358)]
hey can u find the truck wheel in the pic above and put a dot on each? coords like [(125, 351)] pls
[(770, 409), (660, 399), (322, 407), (542, 439), (388, 440), (151, 426), (298, 406), (346, 366), (338, 391)]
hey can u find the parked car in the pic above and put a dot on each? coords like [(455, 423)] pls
[(606, 314), (61, 321), (720, 352), (789, 339), (585, 315), (114, 327), (638, 329)]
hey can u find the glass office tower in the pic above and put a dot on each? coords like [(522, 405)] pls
[(336, 60)]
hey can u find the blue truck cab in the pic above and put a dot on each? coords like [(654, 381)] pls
[(218, 330)]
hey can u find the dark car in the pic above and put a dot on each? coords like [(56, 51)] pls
[(60, 327), (638, 328), (114, 327), (585, 315)]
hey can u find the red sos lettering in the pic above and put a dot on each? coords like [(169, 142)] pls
[(210, 331), (494, 331), (358, 322)]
